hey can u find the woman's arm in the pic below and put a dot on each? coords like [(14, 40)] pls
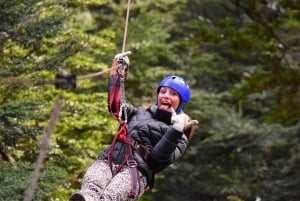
[(114, 93), (170, 147)]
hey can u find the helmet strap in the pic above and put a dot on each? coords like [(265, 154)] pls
[(180, 107)]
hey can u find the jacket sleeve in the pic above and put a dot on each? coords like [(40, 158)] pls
[(170, 147)]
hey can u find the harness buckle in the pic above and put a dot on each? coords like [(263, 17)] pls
[(131, 163), (133, 143)]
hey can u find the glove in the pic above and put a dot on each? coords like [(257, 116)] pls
[(124, 61), (122, 54), (189, 124), (181, 122), (120, 60)]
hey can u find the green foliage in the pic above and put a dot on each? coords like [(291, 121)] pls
[(26, 25), (84, 130), (253, 43), (234, 156), (15, 179), (275, 89), (38, 40), (240, 58)]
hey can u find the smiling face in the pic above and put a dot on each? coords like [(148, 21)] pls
[(168, 98)]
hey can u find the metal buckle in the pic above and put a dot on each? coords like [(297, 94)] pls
[(131, 163)]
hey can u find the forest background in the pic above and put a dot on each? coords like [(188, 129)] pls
[(241, 59)]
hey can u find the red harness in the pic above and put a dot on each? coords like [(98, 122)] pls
[(115, 100), (128, 158)]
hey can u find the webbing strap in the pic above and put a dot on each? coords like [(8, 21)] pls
[(132, 167), (77, 179), (117, 108), (134, 179), (117, 100), (114, 97), (122, 135)]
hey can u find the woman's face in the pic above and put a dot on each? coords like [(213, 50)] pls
[(168, 98)]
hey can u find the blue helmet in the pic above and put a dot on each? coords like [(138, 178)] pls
[(179, 85)]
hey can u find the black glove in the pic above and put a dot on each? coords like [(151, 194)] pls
[(122, 58), (122, 61)]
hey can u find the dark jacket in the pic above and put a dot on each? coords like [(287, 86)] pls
[(152, 128)]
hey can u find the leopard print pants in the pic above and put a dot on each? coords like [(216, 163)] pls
[(100, 185)]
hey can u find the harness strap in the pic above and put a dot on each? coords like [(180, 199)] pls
[(77, 179), (114, 98), (132, 167), (142, 150), (129, 160)]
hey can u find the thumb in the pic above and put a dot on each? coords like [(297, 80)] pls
[(173, 112)]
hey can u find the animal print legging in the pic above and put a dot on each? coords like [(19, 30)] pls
[(99, 184)]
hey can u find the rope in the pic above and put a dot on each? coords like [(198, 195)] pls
[(126, 26), (122, 98), (82, 77), (16, 80)]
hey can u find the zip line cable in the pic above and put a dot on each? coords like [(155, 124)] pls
[(63, 80), (126, 26)]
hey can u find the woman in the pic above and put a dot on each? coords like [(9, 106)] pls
[(148, 141)]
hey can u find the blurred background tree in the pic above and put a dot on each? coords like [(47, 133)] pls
[(240, 58)]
